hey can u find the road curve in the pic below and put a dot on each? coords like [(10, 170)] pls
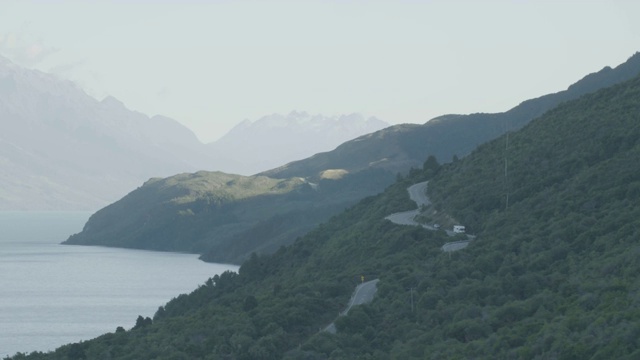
[(455, 245), (418, 193), (363, 294)]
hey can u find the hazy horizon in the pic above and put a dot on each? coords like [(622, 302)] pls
[(211, 65)]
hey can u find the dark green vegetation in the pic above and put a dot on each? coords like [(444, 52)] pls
[(553, 276), (228, 221)]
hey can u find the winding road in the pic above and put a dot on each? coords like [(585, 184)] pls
[(364, 293), (418, 193)]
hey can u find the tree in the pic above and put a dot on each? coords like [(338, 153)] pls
[(142, 322), (249, 303), (431, 166)]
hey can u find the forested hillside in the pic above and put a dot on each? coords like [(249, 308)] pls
[(551, 275), (229, 231)]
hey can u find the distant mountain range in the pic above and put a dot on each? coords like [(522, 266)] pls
[(274, 140), (61, 149)]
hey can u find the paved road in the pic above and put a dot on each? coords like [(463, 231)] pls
[(363, 294), (418, 193), (455, 245), (404, 218)]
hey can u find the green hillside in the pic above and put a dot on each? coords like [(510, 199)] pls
[(551, 276), (233, 216), (224, 217), (196, 204)]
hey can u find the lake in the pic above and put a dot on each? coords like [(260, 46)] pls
[(53, 294)]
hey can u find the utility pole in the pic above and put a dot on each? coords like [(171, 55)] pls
[(412, 300), (506, 162)]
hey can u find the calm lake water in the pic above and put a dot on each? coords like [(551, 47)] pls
[(53, 294)]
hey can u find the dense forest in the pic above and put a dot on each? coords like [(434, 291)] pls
[(552, 273)]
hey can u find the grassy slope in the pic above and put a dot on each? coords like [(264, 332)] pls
[(555, 276), (181, 212)]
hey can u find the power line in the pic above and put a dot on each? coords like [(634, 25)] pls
[(506, 164)]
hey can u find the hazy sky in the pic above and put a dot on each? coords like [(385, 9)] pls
[(212, 64)]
